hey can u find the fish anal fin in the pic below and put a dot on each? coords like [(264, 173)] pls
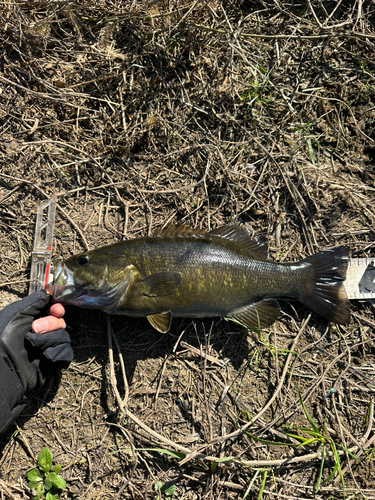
[(255, 246), (178, 230), (257, 315), (161, 321), (161, 284)]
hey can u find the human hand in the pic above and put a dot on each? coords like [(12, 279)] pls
[(52, 322), (26, 357)]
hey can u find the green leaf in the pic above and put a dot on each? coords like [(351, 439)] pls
[(59, 482), (312, 423), (45, 459), (260, 494), (251, 484), (234, 320), (34, 485), (34, 475), (47, 483), (57, 468), (318, 482), (311, 151), (331, 475), (247, 414), (304, 429), (52, 496), (267, 441), (295, 436), (56, 480), (158, 485), (311, 433), (338, 464), (39, 490), (308, 442), (168, 492), (350, 453)]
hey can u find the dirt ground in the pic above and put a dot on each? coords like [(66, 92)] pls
[(136, 114)]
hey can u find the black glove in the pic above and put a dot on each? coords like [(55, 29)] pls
[(26, 358)]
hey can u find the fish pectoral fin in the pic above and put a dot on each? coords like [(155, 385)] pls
[(161, 284), (257, 315), (161, 321)]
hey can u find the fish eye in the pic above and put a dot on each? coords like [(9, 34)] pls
[(83, 259)]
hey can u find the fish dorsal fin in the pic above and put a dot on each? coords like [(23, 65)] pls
[(161, 321), (257, 315), (254, 245), (161, 284), (178, 230)]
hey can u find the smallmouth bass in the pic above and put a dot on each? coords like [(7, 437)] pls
[(182, 273)]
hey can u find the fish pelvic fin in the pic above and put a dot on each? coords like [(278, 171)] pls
[(161, 321), (325, 293), (257, 315)]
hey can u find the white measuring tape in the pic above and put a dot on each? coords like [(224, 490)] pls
[(360, 279)]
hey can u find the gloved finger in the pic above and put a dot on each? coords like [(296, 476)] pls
[(29, 306), (50, 339), (47, 324), (62, 353), (57, 310)]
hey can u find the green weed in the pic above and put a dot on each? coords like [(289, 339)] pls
[(326, 442), (370, 454), (265, 474), (254, 358), (165, 491), (257, 472), (175, 41), (256, 93), (44, 480), (313, 146), (314, 436), (281, 253), (272, 349)]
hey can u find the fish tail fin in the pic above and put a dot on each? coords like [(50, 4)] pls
[(325, 292)]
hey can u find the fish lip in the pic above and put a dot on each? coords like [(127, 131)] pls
[(65, 293), (65, 289)]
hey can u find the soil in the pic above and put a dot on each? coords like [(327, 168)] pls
[(139, 114)]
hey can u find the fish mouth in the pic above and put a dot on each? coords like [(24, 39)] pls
[(68, 291), (65, 289)]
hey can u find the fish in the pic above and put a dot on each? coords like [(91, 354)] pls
[(184, 273)]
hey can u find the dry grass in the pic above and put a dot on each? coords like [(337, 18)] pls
[(206, 112)]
